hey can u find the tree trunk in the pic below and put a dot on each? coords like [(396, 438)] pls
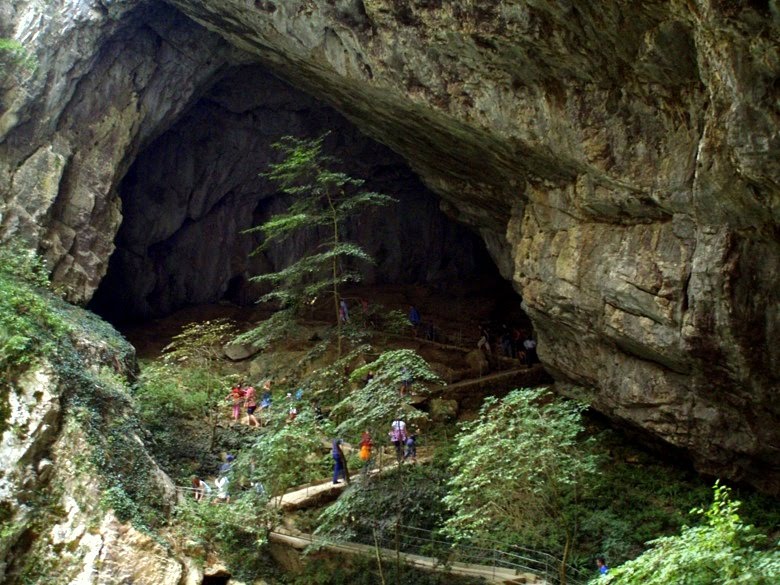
[(378, 556), (335, 271), (565, 558)]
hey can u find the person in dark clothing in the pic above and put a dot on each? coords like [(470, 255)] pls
[(318, 414), (339, 462), (414, 316), (411, 444)]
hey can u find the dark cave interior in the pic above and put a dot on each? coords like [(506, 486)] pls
[(191, 193)]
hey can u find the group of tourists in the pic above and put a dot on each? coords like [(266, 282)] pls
[(511, 342), (404, 441), (244, 395), (203, 491)]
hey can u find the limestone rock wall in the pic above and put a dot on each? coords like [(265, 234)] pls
[(619, 158), (103, 79), (57, 524)]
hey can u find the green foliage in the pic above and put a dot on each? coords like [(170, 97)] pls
[(14, 57), (235, 531), (166, 391), (412, 494), (330, 382), (634, 498), (721, 550), (380, 401), (197, 352), (30, 325), (99, 406), (173, 401), (517, 471), (322, 199), (279, 325), (200, 343), (286, 454)]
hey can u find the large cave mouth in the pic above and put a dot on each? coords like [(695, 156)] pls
[(191, 193)]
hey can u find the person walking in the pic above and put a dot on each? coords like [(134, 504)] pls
[(366, 447), (343, 311), (222, 483), (398, 437), (339, 462), (250, 401), (201, 490), (237, 396), (411, 444), (225, 468)]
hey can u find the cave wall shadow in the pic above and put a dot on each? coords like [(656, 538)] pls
[(190, 194)]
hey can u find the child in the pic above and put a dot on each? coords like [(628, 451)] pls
[(201, 488), (411, 444), (237, 396), (366, 446)]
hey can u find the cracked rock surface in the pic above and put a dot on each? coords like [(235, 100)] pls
[(621, 160)]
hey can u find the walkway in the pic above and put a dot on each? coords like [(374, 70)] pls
[(470, 393), (318, 494), (490, 573)]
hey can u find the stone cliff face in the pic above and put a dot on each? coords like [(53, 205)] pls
[(620, 160), (70, 451)]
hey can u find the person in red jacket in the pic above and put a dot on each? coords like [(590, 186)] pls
[(237, 396)]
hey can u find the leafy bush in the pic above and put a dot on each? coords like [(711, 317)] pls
[(411, 495), (379, 401), (285, 455), (721, 550), (29, 324), (518, 471), (235, 531)]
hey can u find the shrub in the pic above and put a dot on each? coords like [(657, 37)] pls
[(721, 550)]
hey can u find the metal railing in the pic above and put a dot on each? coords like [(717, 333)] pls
[(515, 559)]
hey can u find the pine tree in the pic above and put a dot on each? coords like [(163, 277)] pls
[(323, 198)]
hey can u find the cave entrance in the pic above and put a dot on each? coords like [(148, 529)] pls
[(188, 197), (220, 578)]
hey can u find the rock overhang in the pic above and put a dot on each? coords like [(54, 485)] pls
[(620, 161)]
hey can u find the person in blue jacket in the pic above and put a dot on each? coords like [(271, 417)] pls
[(601, 563), (339, 462)]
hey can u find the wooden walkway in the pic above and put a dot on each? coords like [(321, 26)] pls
[(470, 393), (490, 574), (321, 493)]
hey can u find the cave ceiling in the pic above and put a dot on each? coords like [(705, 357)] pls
[(620, 160)]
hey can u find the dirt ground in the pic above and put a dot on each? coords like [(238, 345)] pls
[(454, 314)]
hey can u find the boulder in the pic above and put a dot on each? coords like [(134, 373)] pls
[(478, 362), (443, 410), (240, 351)]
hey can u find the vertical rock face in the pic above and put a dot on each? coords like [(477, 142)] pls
[(68, 421), (100, 81), (619, 158)]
